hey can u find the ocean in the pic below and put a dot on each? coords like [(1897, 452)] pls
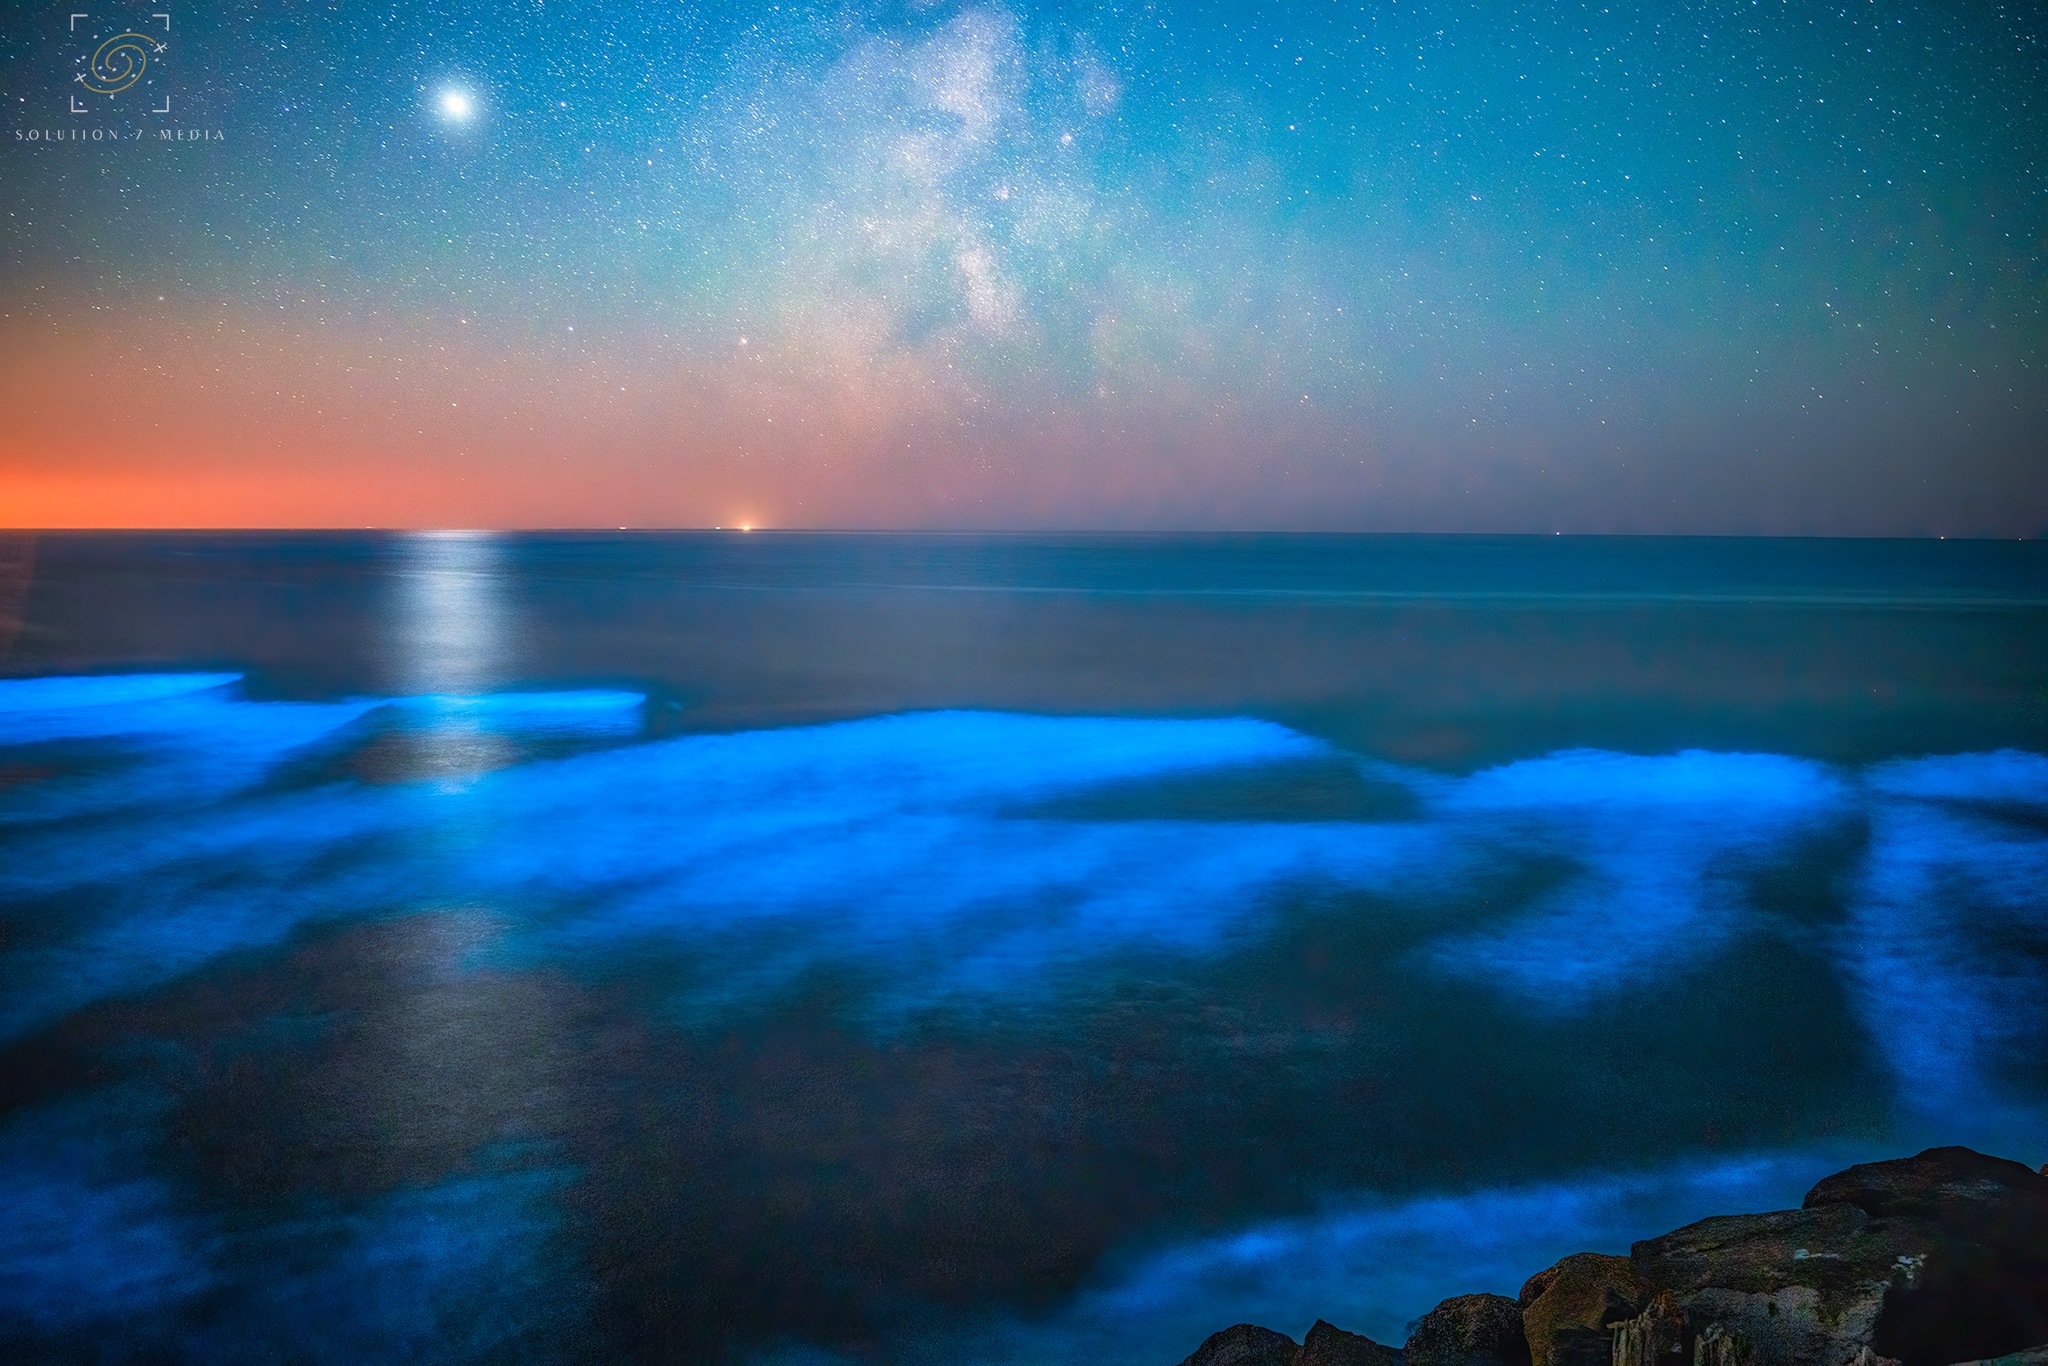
[(805, 948)]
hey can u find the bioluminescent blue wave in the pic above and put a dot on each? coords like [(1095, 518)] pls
[(1951, 925), (1658, 848), (913, 840), (463, 962), (41, 708), (87, 1238)]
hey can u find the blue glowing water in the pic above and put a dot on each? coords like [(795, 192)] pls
[(509, 1014)]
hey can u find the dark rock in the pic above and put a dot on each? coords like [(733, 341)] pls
[(1795, 1286), (1536, 1285), (1329, 1346), (1836, 1250), (1983, 1287), (1721, 1346), (1470, 1330), (1569, 1312), (1655, 1337), (1955, 1186), (1245, 1345), (1926, 1260)]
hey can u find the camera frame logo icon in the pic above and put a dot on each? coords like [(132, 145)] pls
[(115, 64)]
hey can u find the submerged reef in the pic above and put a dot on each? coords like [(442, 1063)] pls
[(1931, 1260)]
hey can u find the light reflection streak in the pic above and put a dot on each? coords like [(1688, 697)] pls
[(449, 633)]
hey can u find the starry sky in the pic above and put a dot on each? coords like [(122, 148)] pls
[(1740, 266)]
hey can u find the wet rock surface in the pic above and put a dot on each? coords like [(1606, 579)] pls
[(1470, 1330), (1569, 1312), (1245, 1345), (1326, 1345), (1940, 1259), (1976, 1283), (1959, 1187), (1793, 1285), (1329, 1345)]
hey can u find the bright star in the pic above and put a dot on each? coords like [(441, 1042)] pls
[(456, 105)]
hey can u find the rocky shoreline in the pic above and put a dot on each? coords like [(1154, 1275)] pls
[(1932, 1260)]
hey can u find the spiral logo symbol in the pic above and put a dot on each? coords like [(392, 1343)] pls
[(119, 63)]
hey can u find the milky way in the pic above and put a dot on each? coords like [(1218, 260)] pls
[(1745, 267)]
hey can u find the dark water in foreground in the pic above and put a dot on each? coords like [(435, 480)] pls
[(806, 949)]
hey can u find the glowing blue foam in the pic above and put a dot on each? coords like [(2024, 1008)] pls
[(897, 843), (46, 694), (84, 1237), (33, 709), (2004, 775), (1660, 844), (1950, 909), (88, 1242)]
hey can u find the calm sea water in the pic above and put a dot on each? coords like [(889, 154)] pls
[(820, 949)]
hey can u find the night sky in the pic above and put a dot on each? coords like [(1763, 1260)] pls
[(1746, 267)]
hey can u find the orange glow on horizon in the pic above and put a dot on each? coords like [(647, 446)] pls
[(200, 414)]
